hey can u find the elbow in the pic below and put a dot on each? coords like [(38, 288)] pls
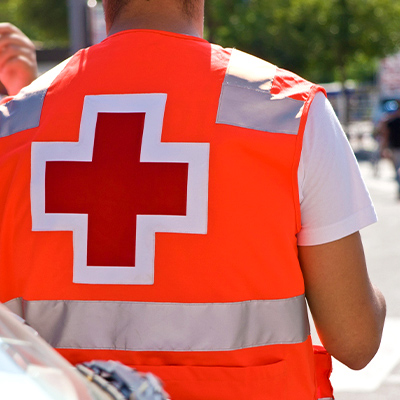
[(354, 355), (360, 349), (357, 347), (359, 360)]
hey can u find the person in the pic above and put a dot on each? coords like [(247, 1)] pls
[(390, 132), (18, 65), (172, 204)]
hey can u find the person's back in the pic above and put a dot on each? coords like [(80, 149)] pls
[(138, 167), (154, 192)]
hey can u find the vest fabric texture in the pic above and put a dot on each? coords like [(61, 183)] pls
[(148, 213)]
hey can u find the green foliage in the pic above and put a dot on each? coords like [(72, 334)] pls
[(7, 11), (44, 21), (319, 39)]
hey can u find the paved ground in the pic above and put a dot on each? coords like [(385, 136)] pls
[(380, 380)]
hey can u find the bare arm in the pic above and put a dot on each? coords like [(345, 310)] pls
[(348, 311), (18, 67)]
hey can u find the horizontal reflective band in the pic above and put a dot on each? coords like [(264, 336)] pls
[(24, 110), (166, 326), (246, 100)]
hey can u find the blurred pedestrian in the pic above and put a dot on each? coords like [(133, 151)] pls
[(18, 66), (390, 131)]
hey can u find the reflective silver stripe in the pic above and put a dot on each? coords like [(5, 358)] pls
[(246, 100), (144, 326), (21, 113), (15, 305), (24, 111)]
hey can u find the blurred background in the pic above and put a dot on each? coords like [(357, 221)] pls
[(352, 48)]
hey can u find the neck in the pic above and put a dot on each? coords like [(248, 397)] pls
[(167, 16)]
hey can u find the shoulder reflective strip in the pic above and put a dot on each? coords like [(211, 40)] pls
[(247, 71), (166, 326), (246, 100), (24, 110)]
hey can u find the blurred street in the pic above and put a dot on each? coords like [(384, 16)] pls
[(380, 380)]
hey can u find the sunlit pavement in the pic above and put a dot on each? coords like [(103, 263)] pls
[(380, 380)]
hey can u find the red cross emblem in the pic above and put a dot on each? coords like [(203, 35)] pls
[(120, 184)]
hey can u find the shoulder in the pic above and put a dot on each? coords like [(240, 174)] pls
[(271, 98), (255, 73), (23, 111)]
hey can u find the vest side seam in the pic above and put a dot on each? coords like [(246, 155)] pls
[(298, 150)]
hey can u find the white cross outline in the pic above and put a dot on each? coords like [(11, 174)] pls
[(153, 150)]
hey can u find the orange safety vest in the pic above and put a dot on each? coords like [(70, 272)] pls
[(148, 213)]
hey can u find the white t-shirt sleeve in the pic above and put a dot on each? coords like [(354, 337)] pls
[(334, 200)]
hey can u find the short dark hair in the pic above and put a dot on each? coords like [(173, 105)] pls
[(114, 7), (190, 7)]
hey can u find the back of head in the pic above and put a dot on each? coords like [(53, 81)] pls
[(114, 8)]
